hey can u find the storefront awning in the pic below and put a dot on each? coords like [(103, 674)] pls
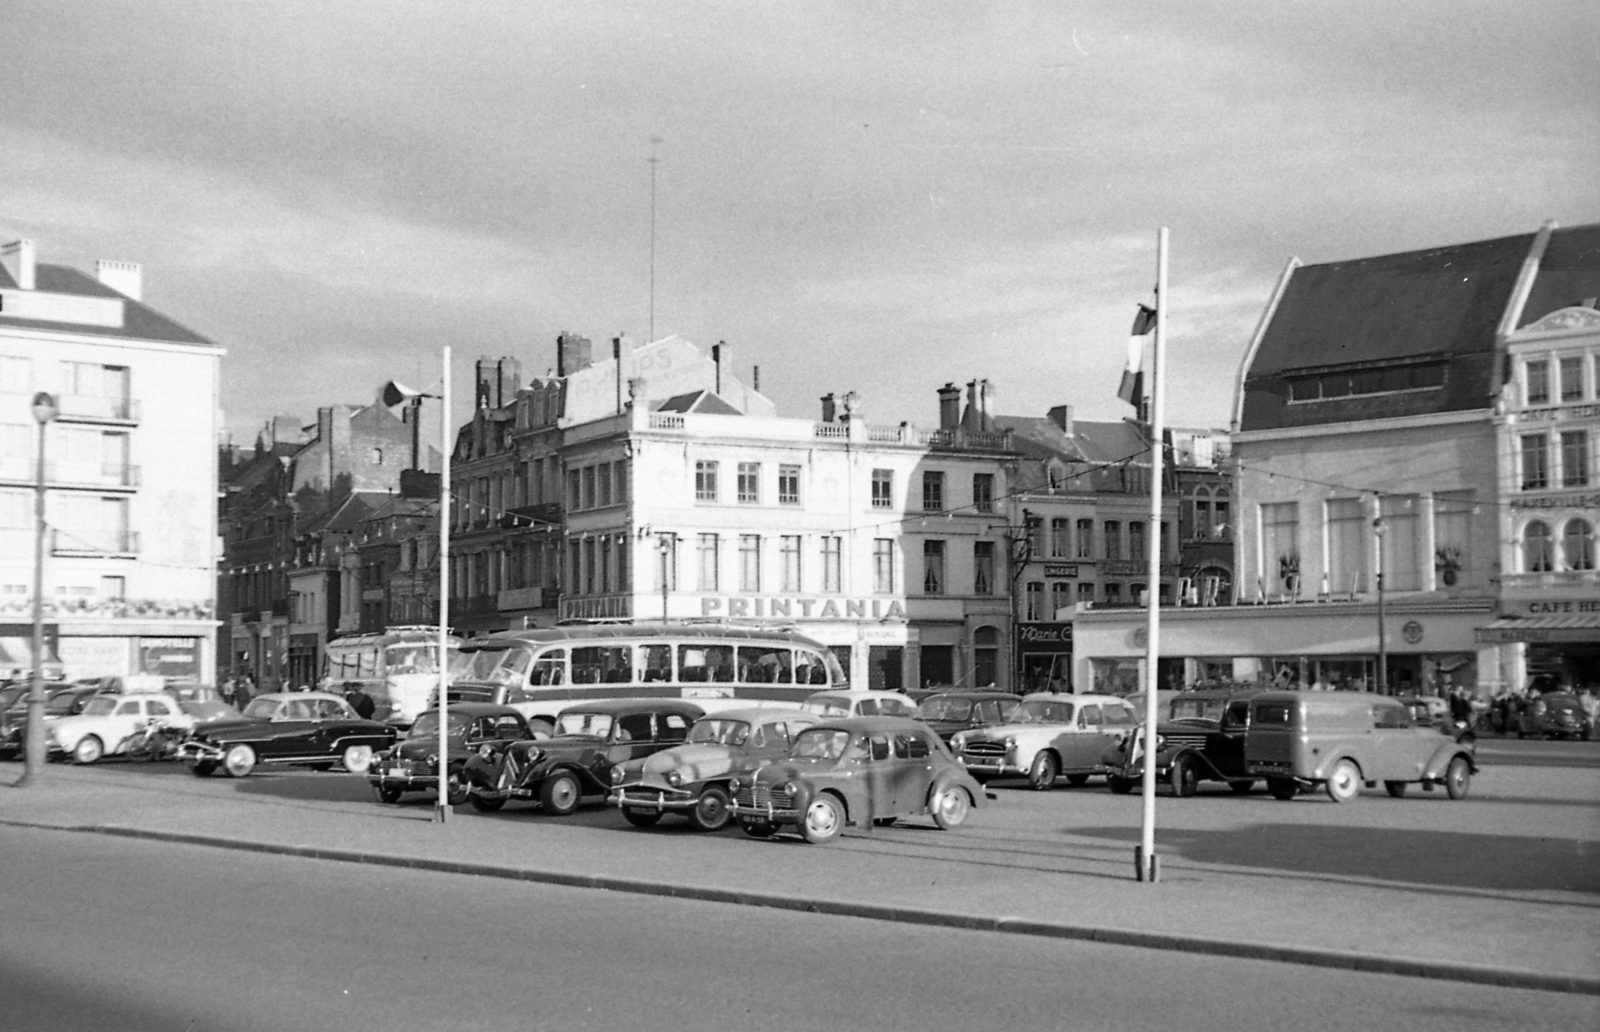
[(1579, 628)]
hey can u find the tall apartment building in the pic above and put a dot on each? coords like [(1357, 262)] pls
[(130, 473)]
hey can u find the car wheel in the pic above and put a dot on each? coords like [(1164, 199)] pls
[(758, 829), (1458, 778), (486, 804), (357, 759), (1344, 782), (239, 761), (642, 818), (455, 789), (1077, 780), (202, 768), (712, 810), (1042, 774), (1242, 787), (950, 806), (88, 750), (386, 794), (1119, 784), (1283, 788), (822, 821), (1397, 789), (1185, 777), (560, 793)]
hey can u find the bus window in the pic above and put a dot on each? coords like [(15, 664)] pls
[(655, 663), (411, 659), (763, 664), (720, 659), (600, 665), (367, 660), (549, 668), (693, 664), (809, 668)]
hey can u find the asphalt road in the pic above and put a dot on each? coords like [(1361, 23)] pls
[(145, 936)]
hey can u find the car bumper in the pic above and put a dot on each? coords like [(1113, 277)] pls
[(199, 752), (768, 814), (658, 800), (404, 779), (993, 766)]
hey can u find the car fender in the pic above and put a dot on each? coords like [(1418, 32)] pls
[(1440, 762), (1323, 769)]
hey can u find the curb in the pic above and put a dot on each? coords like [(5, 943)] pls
[(1408, 967)]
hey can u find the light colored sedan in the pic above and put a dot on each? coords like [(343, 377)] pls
[(109, 722), (1049, 735)]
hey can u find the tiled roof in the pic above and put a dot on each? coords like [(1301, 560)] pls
[(140, 322), (698, 401)]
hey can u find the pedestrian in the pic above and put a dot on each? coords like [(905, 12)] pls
[(360, 701)]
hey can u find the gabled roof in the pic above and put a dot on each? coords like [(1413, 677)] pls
[(140, 321), (699, 401), (346, 516)]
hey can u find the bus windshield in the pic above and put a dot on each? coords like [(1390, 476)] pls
[(414, 658), (493, 666)]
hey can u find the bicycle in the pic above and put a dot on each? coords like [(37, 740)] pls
[(157, 740)]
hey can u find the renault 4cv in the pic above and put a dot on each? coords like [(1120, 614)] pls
[(1342, 741)]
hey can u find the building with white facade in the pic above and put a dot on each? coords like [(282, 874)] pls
[(130, 472)]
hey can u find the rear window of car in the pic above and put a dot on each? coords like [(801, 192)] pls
[(1274, 714)]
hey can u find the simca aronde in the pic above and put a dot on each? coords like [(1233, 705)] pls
[(692, 778), (315, 729), (412, 764), (110, 723), (1049, 735), (1343, 740), (860, 771), (576, 761)]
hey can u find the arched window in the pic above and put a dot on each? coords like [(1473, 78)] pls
[(1577, 545), (1536, 557)]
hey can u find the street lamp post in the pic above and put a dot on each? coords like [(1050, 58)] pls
[(664, 546), (1383, 654), (45, 409)]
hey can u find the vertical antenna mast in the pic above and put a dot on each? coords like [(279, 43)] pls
[(655, 142)]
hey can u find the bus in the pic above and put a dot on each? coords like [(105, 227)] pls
[(397, 667), (540, 671)]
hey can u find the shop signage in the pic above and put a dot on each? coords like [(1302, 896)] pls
[(170, 657), (1565, 412), (1132, 568), (1060, 569), (1044, 637), (1411, 632), (794, 608), (1562, 501), (1563, 606)]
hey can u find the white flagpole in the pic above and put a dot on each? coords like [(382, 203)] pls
[(441, 809), (1149, 869)]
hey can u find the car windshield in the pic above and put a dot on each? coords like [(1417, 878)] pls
[(1041, 711), (60, 705), (945, 709), (100, 706), (261, 709), (427, 724), (580, 723), (823, 744), (720, 732)]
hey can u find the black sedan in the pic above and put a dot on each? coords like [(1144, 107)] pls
[(315, 729), (949, 712), (1554, 715), (412, 765)]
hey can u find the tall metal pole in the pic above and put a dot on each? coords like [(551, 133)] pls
[(1383, 653), (441, 808), (655, 141), (1149, 869), (664, 545), (44, 410)]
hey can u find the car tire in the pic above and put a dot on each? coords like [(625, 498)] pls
[(485, 804), (1185, 777), (357, 759), (386, 794), (1077, 780), (950, 806), (758, 829), (455, 788), (560, 793), (202, 768), (1396, 789), (641, 818), (1119, 784), (239, 761), (1042, 774), (1344, 781), (823, 820), (1283, 788), (88, 750), (712, 811), (1458, 778), (1242, 787)]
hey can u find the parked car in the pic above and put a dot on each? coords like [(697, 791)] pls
[(951, 711), (692, 778), (412, 764), (315, 729), (1201, 738), (1554, 715), (109, 723), (61, 700), (859, 702), (590, 738), (1340, 741), (855, 771), (1049, 735)]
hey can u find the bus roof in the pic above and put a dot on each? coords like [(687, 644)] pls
[(394, 636), (583, 633)]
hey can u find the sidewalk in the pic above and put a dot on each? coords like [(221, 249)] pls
[(1058, 886)]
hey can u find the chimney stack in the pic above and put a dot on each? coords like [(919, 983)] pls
[(986, 405), (720, 354), (829, 409), (126, 278), (1061, 415), (17, 258), (573, 353), (949, 407)]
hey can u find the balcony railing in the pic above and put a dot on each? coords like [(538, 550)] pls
[(86, 543), (17, 470), (513, 599), (95, 408), (604, 607)]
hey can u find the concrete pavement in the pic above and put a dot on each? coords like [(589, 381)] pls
[(1025, 886)]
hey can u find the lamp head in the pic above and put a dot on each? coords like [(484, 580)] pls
[(45, 408)]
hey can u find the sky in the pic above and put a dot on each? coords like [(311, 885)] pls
[(855, 196)]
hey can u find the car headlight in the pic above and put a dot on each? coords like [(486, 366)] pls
[(1011, 743), (617, 775), (430, 759), (675, 778), (788, 788), (958, 742), (734, 785), (1161, 741)]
